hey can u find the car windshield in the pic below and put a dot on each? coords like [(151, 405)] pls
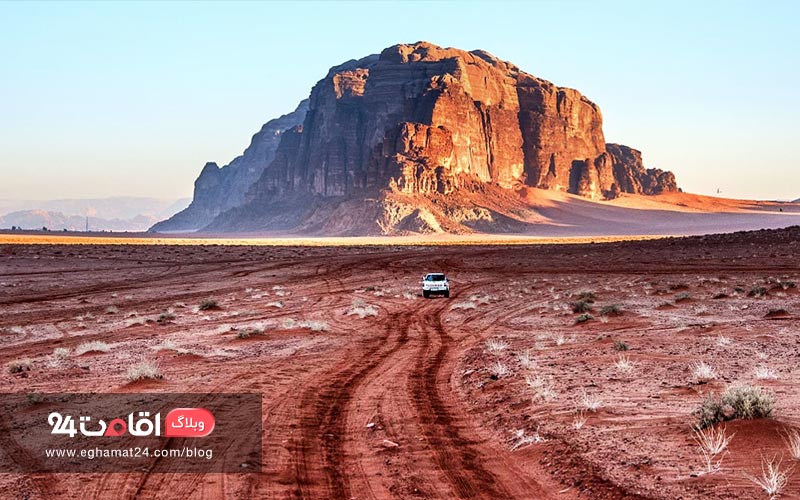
[(434, 277)]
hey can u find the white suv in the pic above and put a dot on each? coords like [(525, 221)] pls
[(435, 283)]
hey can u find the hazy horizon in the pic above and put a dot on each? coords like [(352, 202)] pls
[(131, 99)]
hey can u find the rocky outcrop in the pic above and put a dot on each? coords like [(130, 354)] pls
[(219, 189), (426, 121), (631, 176)]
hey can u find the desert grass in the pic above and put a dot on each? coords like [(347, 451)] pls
[(93, 346), (723, 341), (169, 345), (712, 443), (703, 371), (792, 440), (590, 402), (496, 346), (499, 370), (580, 420), (463, 305), (623, 364), (774, 477), (522, 439), (146, 370), (361, 309), (525, 359), (764, 373), (541, 387)]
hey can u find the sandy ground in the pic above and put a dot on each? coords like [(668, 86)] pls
[(338, 389)]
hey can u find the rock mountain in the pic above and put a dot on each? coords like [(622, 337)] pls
[(418, 138)]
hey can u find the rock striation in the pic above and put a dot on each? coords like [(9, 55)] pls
[(419, 122)]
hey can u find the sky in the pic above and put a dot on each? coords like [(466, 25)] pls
[(128, 98)]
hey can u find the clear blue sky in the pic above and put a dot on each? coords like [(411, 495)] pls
[(116, 98)]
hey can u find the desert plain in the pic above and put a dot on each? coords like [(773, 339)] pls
[(563, 371)]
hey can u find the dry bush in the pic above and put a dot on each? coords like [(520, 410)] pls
[(166, 317), (19, 365), (581, 306), (209, 305), (737, 402)]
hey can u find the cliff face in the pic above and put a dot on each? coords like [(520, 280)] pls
[(632, 177), (424, 121), (219, 189)]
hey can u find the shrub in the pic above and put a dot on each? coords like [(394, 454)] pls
[(757, 291), (610, 310), (143, 371), (587, 296), (246, 333), (583, 318), (19, 365), (682, 297), (737, 402), (209, 305), (166, 317), (581, 306), (620, 346), (60, 353), (112, 310)]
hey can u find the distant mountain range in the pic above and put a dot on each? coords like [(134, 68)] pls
[(104, 214)]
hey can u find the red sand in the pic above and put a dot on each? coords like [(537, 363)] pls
[(420, 369)]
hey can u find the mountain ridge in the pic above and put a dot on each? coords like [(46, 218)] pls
[(389, 134)]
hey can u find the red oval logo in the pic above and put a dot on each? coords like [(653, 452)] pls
[(188, 422)]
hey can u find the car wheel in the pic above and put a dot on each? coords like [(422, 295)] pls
[(426, 294), (447, 294)]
